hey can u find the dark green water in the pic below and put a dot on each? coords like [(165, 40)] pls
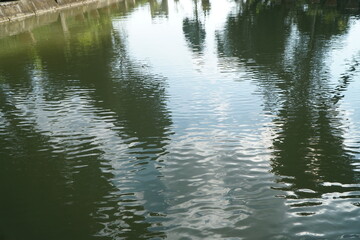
[(182, 120)]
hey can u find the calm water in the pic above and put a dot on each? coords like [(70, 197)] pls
[(182, 120)]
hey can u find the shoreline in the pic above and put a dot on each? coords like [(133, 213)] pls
[(21, 9), (29, 22)]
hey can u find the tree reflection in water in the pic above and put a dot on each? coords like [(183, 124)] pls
[(309, 153), (95, 124), (194, 29)]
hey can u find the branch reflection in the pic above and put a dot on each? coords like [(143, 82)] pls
[(309, 152)]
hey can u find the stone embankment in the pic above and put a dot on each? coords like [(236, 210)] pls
[(15, 10)]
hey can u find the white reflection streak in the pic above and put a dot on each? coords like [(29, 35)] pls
[(3, 122), (290, 48), (341, 57), (211, 152), (74, 122), (195, 174)]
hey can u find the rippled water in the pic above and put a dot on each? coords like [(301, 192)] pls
[(182, 120)]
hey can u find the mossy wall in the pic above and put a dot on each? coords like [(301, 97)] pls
[(14, 10)]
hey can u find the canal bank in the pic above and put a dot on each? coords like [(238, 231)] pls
[(17, 10), (21, 25)]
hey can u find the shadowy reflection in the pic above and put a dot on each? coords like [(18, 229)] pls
[(194, 30), (159, 8), (339, 5), (288, 43), (206, 6), (84, 131)]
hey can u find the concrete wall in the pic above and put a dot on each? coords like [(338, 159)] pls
[(14, 10), (10, 28)]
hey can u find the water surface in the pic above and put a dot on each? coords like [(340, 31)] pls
[(182, 120)]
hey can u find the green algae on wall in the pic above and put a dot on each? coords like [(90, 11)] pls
[(19, 9), (11, 28)]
